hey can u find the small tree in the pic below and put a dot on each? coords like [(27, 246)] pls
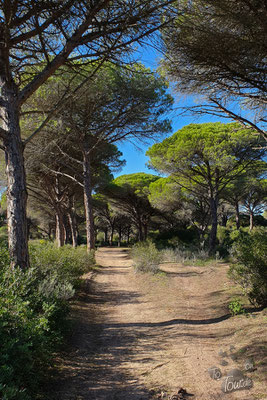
[(254, 199)]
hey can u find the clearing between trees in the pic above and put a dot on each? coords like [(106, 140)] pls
[(142, 336)]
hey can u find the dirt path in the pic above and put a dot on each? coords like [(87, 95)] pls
[(138, 334)]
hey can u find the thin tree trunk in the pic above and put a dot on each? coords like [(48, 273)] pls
[(214, 224), (251, 220), (237, 215), (67, 230), (119, 241), (88, 204), (15, 172), (73, 228), (49, 233), (128, 235)]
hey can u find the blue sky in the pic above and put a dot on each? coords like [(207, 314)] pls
[(135, 158)]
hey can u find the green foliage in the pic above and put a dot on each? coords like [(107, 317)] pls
[(173, 238), (68, 263), (250, 271), (236, 307), (33, 314), (146, 257), (205, 152), (138, 182)]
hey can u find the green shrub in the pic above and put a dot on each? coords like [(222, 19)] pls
[(250, 270), (33, 314), (146, 257), (236, 307)]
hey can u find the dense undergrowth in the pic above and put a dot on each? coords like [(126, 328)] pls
[(34, 314)]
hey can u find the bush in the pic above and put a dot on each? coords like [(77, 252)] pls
[(176, 237), (236, 307), (250, 270), (33, 314), (146, 257), (184, 255)]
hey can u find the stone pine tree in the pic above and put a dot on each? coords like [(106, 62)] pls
[(217, 50), (129, 194), (117, 104), (206, 157), (41, 36)]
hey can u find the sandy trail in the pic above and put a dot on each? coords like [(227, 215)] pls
[(138, 334)]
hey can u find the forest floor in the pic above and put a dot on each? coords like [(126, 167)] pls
[(137, 335)]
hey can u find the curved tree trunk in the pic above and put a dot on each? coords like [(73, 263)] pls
[(88, 204), (15, 172)]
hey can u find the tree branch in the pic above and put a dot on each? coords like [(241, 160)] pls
[(61, 58)]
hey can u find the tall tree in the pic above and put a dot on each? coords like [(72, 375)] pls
[(217, 48), (41, 36), (116, 104), (55, 171), (207, 157)]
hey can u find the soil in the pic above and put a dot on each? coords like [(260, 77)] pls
[(142, 336)]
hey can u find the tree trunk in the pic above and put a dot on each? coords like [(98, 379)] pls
[(73, 228), (15, 172), (237, 216), (224, 220), (111, 235), (145, 231), (128, 236), (119, 241), (67, 229), (88, 206), (105, 235), (251, 220), (60, 229), (214, 224), (140, 232)]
